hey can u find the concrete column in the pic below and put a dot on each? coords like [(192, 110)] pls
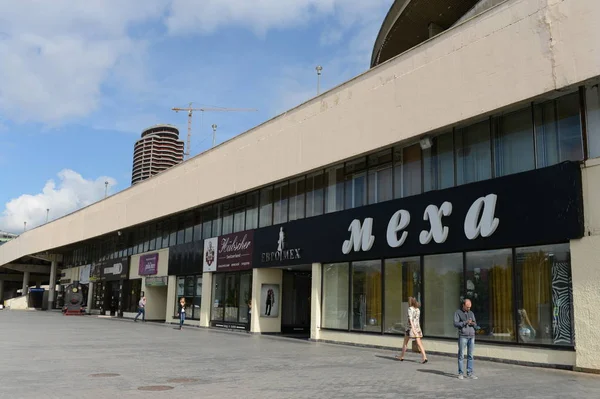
[(89, 298), (52, 283), (315, 302), (25, 282), (206, 304)]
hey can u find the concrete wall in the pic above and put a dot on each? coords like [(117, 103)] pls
[(261, 324), (585, 260), (516, 51)]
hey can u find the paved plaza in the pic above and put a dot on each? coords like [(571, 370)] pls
[(47, 355)]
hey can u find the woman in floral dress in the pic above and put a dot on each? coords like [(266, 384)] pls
[(413, 329)]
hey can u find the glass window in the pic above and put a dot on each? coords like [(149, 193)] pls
[(473, 154), (218, 220), (489, 286), (218, 297), (592, 103), (188, 226), (297, 189), (252, 211), (207, 217), (380, 177), (356, 183), (280, 203), (438, 163), (239, 220), (227, 217), (314, 194), (558, 131), (198, 226), (266, 207), (513, 142), (407, 171), (152, 237), (245, 296), (180, 230), (231, 294), (367, 312), (165, 234), (190, 288), (197, 301), (443, 289), (335, 295), (544, 295), (402, 280), (334, 189)]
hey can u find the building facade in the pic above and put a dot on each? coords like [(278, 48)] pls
[(467, 166), (157, 150)]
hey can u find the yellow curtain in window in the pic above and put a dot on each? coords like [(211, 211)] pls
[(374, 296), (536, 277), (502, 312)]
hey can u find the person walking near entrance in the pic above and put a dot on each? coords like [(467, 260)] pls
[(464, 320), (141, 309), (181, 312), (249, 316), (413, 329)]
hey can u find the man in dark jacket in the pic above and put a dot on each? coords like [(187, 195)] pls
[(464, 320)]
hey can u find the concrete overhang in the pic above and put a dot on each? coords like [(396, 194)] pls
[(21, 267), (407, 24)]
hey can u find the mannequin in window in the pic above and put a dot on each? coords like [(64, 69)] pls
[(526, 330)]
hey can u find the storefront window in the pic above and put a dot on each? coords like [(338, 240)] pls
[(280, 203), (592, 102), (473, 153), (227, 227), (314, 194), (513, 142), (335, 296), (230, 295), (367, 312), (297, 189), (380, 177), (558, 131), (334, 189), (401, 282), (132, 293), (443, 282), (190, 288), (489, 286), (438, 163), (544, 295), (266, 207), (356, 183)]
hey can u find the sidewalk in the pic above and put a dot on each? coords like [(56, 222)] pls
[(50, 355)]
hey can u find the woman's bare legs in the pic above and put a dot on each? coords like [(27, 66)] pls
[(421, 348), (404, 346)]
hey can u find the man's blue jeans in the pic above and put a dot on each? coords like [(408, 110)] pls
[(141, 311), (469, 342)]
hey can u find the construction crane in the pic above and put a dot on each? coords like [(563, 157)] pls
[(190, 110)]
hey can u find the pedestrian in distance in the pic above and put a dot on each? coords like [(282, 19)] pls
[(413, 329), (141, 309), (464, 321), (181, 312)]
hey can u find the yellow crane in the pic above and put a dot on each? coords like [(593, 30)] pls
[(190, 110)]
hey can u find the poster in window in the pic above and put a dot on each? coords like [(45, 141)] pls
[(269, 300)]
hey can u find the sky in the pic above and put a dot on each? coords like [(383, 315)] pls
[(80, 80)]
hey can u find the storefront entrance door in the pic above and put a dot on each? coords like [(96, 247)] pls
[(296, 293), (111, 299)]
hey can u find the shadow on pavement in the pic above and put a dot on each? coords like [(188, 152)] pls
[(437, 372), (393, 358)]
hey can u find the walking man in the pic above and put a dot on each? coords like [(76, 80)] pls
[(464, 320), (141, 309)]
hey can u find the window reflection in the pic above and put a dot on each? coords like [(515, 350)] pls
[(473, 153), (443, 288), (335, 296), (366, 296), (402, 280), (513, 143)]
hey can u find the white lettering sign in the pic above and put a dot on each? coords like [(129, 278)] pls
[(398, 222), (360, 237), (438, 231), (484, 224)]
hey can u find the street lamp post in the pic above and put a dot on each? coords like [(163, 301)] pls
[(24, 227), (105, 189), (214, 128), (319, 68), (47, 214)]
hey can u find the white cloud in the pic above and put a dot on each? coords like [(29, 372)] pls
[(57, 54), (72, 192)]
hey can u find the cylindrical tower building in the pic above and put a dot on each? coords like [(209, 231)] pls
[(157, 150)]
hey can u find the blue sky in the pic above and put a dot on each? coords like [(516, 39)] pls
[(79, 81)]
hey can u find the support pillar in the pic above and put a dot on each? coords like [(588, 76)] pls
[(88, 308), (52, 283), (25, 282)]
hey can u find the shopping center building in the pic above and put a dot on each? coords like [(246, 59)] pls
[(464, 164)]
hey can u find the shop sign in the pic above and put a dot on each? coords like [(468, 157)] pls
[(156, 281), (65, 281), (209, 257), (148, 264), (234, 252), (114, 269), (84, 274), (531, 208)]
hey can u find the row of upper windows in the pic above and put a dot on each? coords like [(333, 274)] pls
[(531, 137)]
